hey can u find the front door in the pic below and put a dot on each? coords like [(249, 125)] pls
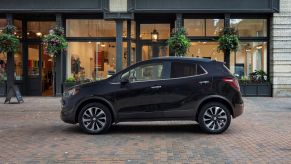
[(140, 98), (40, 77)]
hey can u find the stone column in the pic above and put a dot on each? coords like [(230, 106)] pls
[(10, 59), (179, 21), (280, 50), (59, 70), (119, 26), (227, 52), (128, 43)]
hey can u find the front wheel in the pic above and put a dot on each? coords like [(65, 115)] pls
[(94, 118), (214, 118)]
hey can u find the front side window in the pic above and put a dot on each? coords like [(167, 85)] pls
[(185, 69), (145, 73)]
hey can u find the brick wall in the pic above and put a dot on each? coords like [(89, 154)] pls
[(280, 69)]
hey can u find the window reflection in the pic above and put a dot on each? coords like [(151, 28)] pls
[(250, 27), (90, 61), (203, 27), (3, 23), (154, 50), (17, 63), (146, 30), (91, 28), (37, 29), (250, 57), (206, 50)]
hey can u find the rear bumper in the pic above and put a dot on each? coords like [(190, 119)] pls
[(238, 110)]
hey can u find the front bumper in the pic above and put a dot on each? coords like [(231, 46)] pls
[(238, 110), (67, 113)]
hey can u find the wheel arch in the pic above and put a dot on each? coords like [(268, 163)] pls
[(100, 100), (217, 98)]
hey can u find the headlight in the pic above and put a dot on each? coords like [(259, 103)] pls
[(71, 92)]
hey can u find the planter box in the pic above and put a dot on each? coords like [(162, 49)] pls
[(67, 85), (256, 89), (2, 89)]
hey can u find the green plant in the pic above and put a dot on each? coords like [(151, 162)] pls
[(70, 80), (8, 41), (179, 42), (258, 76), (55, 41), (228, 40)]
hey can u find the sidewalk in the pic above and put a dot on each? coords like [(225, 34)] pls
[(32, 132)]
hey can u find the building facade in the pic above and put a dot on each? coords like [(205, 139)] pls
[(107, 35)]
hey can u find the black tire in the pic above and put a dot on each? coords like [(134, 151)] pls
[(215, 124), (100, 116)]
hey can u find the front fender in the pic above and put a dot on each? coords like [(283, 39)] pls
[(97, 99)]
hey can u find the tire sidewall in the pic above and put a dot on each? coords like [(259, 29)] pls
[(104, 109), (201, 114)]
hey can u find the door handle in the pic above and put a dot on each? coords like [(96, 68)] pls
[(204, 82), (156, 87)]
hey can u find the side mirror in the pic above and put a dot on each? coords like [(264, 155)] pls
[(124, 81)]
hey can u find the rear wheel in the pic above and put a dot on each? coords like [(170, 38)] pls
[(95, 118), (214, 118)]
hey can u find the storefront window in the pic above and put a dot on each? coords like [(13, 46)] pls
[(203, 27), (3, 23), (250, 57), (39, 28), (90, 28), (17, 63), (133, 53), (87, 61), (154, 50), (206, 50), (18, 25), (250, 27), (163, 31)]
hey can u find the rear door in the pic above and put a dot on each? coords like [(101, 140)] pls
[(187, 84)]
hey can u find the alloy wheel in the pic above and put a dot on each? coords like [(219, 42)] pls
[(94, 119), (215, 118)]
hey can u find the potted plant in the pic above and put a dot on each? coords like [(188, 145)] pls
[(9, 43), (179, 42), (228, 41), (55, 42), (69, 82), (256, 85)]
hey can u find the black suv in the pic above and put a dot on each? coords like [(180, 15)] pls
[(172, 88)]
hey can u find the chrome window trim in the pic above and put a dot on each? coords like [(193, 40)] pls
[(205, 73)]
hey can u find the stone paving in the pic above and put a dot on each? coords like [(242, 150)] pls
[(33, 133)]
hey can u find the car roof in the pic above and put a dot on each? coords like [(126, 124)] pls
[(178, 58)]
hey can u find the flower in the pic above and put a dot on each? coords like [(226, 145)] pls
[(55, 41)]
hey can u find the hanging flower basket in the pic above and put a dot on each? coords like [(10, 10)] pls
[(179, 42), (55, 41), (228, 40), (8, 41)]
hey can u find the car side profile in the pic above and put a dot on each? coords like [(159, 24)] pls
[(171, 88)]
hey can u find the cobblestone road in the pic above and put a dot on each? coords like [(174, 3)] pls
[(33, 133)]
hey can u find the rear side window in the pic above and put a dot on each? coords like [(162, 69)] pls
[(179, 69)]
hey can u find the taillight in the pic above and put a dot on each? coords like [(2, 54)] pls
[(233, 82)]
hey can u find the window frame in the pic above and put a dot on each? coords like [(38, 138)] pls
[(163, 73), (182, 77)]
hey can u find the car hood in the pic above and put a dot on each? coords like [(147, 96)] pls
[(90, 84)]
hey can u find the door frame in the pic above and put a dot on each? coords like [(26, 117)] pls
[(39, 77)]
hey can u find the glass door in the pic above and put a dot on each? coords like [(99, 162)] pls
[(34, 71), (40, 74)]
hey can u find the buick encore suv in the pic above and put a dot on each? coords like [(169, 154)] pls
[(172, 88)]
